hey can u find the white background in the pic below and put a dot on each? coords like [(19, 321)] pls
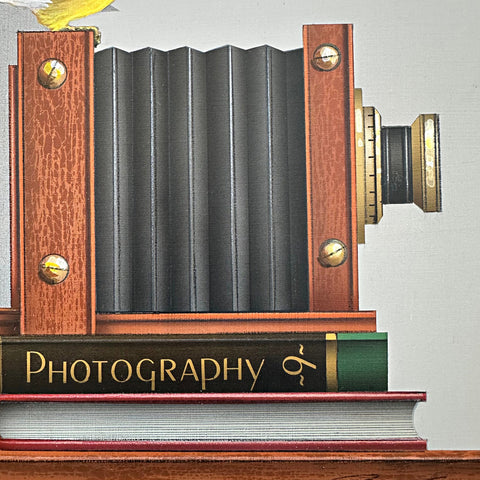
[(419, 272)]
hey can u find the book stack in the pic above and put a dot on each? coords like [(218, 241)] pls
[(206, 392), (209, 332)]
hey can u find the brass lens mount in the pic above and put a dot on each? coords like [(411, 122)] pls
[(399, 164)]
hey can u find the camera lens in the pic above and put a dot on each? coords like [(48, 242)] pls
[(397, 164)]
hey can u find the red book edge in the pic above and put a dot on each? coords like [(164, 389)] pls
[(192, 398), (233, 446)]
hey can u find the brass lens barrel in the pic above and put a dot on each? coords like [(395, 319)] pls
[(399, 164)]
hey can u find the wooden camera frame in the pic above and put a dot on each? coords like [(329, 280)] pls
[(52, 198)]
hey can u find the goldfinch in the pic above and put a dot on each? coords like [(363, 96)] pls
[(57, 14)]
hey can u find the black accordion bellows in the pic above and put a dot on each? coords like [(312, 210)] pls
[(200, 181)]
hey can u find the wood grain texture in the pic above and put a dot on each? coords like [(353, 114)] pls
[(144, 323), (13, 122), (331, 197), (235, 322), (9, 321), (56, 191), (436, 465)]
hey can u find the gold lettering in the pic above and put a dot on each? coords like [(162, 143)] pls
[(152, 373), (51, 371), (31, 372), (99, 364), (226, 368), (301, 363), (114, 372), (203, 370), (193, 373), (173, 366), (254, 373), (87, 371)]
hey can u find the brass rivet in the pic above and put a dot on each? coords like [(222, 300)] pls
[(53, 269), (52, 73), (333, 253), (326, 57)]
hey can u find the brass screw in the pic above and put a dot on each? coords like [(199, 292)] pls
[(52, 73), (53, 269), (326, 57), (333, 253)]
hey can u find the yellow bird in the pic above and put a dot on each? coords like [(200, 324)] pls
[(57, 14)]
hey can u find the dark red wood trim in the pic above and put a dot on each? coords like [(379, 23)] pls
[(205, 323), (217, 398), (223, 446), (20, 240), (426, 465), (9, 321), (200, 323), (437, 456), (13, 122), (56, 161), (331, 196)]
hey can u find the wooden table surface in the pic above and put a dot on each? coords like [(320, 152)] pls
[(430, 465)]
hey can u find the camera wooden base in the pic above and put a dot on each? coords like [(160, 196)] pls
[(430, 465)]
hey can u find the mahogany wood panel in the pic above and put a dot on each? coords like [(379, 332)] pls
[(216, 323), (9, 321), (236, 323), (331, 197), (55, 131), (14, 234), (201, 466)]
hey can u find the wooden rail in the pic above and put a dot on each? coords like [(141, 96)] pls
[(430, 465)]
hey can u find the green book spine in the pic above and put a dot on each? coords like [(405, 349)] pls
[(354, 352), (314, 362)]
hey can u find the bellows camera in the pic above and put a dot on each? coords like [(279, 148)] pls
[(187, 191)]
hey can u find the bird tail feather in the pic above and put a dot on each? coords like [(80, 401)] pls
[(57, 15)]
